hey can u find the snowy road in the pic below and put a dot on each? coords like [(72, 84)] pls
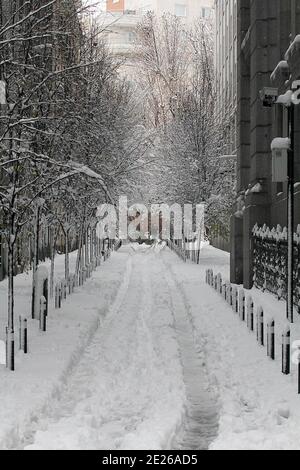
[(140, 383)]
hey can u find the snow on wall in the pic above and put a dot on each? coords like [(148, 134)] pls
[(294, 46), (285, 99), (281, 143)]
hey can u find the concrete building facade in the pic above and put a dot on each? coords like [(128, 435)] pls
[(266, 30), (226, 69)]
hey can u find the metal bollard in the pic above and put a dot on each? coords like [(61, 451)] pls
[(242, 307), (286, 353), (271, 340), (235, 297), (219, 282), (70, 285), (43, 314), (64, 289), (25, 336), (20, 333), (224, 292), (250, 314), (57, 297), (260, 326)]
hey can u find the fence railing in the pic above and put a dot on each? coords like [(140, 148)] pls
[(191, 253), (270, 250)]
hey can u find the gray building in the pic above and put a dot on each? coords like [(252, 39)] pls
[(226, 69), (266, 30)]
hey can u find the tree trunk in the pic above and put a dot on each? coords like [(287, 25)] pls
[(11, 301), (53, 241), (87, 246), (67, 258), (35, 259), (79, 253)]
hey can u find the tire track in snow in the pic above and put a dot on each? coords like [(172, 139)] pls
[(200, 422)]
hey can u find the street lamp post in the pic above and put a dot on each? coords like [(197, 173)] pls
[(291, 218)]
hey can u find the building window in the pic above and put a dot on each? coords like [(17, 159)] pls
[(131, 37), (206, 12), (180, 10)]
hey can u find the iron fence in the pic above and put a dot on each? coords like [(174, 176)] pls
[(270, 250)]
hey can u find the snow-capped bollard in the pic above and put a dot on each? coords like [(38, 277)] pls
[(260, 326), (58, 296), (73, 283), (10, 349), (216, 283), (41, 289), (206, 276), (23, 335), (64, 289), (229, 293), (43, 315), (286, 352), (80, 277), (271, 340), (235, 299), (224, 291), (76, 280), (219, 282), (20, 333), (250, 314), (70, 284), (242, 305)]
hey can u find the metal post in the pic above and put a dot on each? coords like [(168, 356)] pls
[(20, 333), (291, 204), (43, 316), (271, 339), (25, 336), (286, 353)]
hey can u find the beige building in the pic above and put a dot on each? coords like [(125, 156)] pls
[(122, 17), (226, 69)]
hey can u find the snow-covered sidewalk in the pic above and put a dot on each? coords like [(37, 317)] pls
[(39, 377), (259, 407)]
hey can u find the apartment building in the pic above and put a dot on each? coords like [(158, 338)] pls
[(268, 56), (226, 69), (122, 17)]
